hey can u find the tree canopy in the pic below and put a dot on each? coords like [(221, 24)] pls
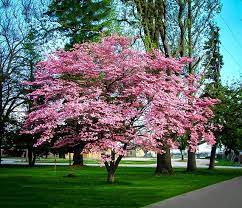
[(109, 97), (81, 20)]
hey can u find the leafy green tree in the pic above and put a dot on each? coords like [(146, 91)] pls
[(214, 60), (213, 64), (31, 57), (231, 134), (228, 112), (81, 20)]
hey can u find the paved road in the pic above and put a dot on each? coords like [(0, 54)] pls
[(227, 194)]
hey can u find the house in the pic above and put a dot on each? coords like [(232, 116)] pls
[(130, 153)]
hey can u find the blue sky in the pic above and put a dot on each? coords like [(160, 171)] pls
[(230, 23)]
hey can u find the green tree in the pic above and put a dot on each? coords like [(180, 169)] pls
[(81, 20), (31, 57), (231, 134), (213, 64), (214, 60), (228, 113)]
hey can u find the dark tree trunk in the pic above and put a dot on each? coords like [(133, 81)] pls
[(191, 161), (31, 156), (110, 178), (164, 163), (34, 159), (212, 157), (112, 167), (77, 156), (182, 155), (62, 154), (46, 155)]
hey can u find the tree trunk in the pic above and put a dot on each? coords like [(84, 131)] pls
[(31, 156), (191, 161), (110, 178), (212, 157), (77, 156), (62, 154), (34, 159), (112, 167), (164, 163), (46, 155), (182, 155)]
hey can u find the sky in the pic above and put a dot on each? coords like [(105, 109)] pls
[(230, 23)]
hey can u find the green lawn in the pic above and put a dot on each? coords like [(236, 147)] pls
[(24, 187), (221, 162)]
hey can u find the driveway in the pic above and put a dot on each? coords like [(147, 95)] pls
[(227, 194)]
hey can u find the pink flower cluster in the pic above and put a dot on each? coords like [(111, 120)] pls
[(112, 97)]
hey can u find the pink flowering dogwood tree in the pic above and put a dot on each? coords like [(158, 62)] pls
[(109, 97)]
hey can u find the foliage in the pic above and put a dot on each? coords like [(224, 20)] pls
[(228, 112), (178, 28), (214, 60), (122, 98), (81, 21), (232, 123), (166, 24)]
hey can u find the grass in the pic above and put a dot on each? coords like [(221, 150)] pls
[(37, 187), (221, 162)]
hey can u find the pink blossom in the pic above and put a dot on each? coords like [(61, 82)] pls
[(112, 98)]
